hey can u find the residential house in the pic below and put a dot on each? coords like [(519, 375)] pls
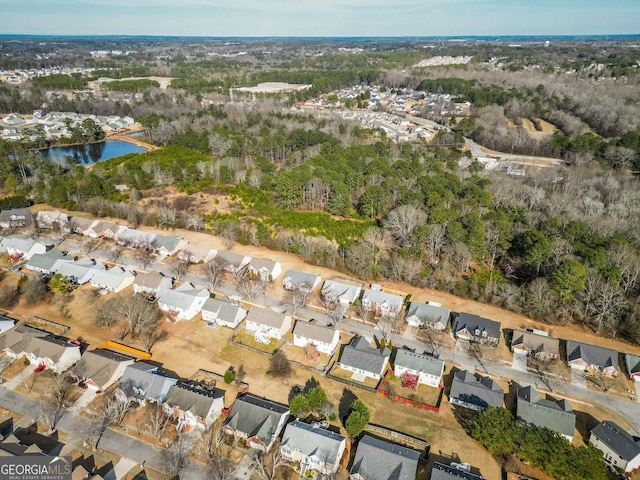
[(555, 415), (197, 254), (266, 324), (232, 262), (40, 348), (475, 391), (429, 315), (101, 368), (591, 358), (48, 262), (428, 369), (268, 270), (344, 293), (257, 420), (633, 366), (103, 228), (81, 225), (184, 302), (20, 249), (80, 271), (223, 312), (475, 328), (16, 218), (194, 404), (455, 471), (535, 343), (381, 303), (6, 323), (168, 244), (620, 449), (133, 238), (313, 447), (144, 381), (378, 459), (113, 280), (363, 360), (302, 281), (49, 218), (325, 339), (152, 282)]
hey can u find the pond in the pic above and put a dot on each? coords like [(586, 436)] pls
[(92, 152)]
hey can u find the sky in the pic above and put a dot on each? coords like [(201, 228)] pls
[(344, 18)]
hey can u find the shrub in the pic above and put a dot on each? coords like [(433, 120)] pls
[(229, 376)]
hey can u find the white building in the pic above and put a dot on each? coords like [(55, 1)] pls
[(324, 339)]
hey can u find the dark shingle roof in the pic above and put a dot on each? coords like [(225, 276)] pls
[(193, 397), (428, 313), (475, 322), (144, 380), (256, 417), (633, 363), (617, 439), (359, 354), (592, 354), (555, 415), (476, 390), (445, 472), (313, 440), (378, 459)]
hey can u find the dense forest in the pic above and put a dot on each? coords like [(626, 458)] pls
[(561, 245)]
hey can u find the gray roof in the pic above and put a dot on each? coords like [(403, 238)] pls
[(358, 354), (380, 298), (38, 342), (593, 355), (633, 363), (340, 290), (536, 343), (617, 439), (378, 459), (77, 270), (102, 226), (476, 390), (170, 242), (224, 310), (151, 279), (301, 279), (260, 263), (17, 243), (256, 417), (419, 362), (472, 323), (80, 223), (314, 331), (46, 261), (233, 259), (266, 316), (555, 415), (16, 216), (144, 380), (111, 278), (428, 313), (132, 235), (182, 297), (193, 397), (445, 472), (312, 440), (99, 365)]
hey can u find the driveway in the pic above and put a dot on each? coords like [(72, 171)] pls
[(519, 361), (578, 378), (244, 469)]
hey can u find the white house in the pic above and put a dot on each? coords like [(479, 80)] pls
[(267, 269), (197, 254), (221, 312), (151, 282), (101, 368), (194, 404), (266, 324), (363, 360), (49, 218), (232, 262), (79, 272), (21, 248), (113, 280), (422, 315), (302, 281), (381, 303), (345, 293), (48, 262), (184, 302), (314, 447), (428, 369), (133, 238), (620, 449), (324, 339), (169, 244)]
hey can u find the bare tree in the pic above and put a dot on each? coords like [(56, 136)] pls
[(436, 241), (267, 465), (431, 338), (152, 336), (139, 315), (90, 244), (115, 253), (403, 220), (175, 457), (97, 425), (218, 451), (250, 286), (156, 421), (33, 290), (295, 299), (48, 414), (144, 256), (214, 270), (279, 365), (9, 296), (230, 234), (179, 267)]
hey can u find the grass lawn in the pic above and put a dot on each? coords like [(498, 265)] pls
[(247, 339), (336, 371), (296, 354), (17, 366), (39, 385), (422, 393)]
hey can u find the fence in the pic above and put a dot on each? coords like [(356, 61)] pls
[(408, 401), (352, 383), (402, 437), (37, 322)]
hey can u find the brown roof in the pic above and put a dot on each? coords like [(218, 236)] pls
[(265, 316), (536, 343), (148, 279)]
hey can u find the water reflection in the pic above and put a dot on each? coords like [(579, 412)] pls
[(91, 153)]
